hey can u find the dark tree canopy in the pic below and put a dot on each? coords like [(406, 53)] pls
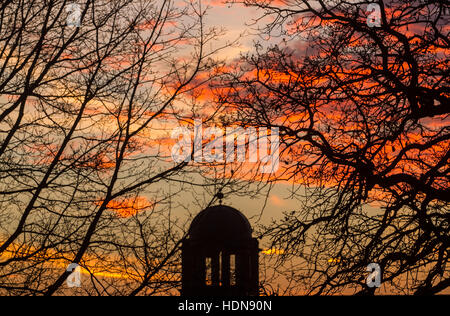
[(83, 179), (363, 115)]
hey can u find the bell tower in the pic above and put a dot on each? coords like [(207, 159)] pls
[(219, 256)]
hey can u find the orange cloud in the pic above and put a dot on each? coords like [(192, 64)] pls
[(273, 251), (276, 200), (126, 207)]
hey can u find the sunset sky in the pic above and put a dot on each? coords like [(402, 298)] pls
[(90, 167)]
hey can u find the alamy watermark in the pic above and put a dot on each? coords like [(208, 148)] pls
[(374, 277), (74, 15), (374, 18), (74, 278), (236, 140)]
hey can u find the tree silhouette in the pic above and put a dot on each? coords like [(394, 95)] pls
[(363, 116), (83, 178)]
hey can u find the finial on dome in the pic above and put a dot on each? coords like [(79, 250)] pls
[(219, 195)]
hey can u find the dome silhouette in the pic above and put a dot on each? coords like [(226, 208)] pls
[(219, 255), (220, 223)]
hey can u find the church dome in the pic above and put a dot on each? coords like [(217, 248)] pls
[(220, 223)]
